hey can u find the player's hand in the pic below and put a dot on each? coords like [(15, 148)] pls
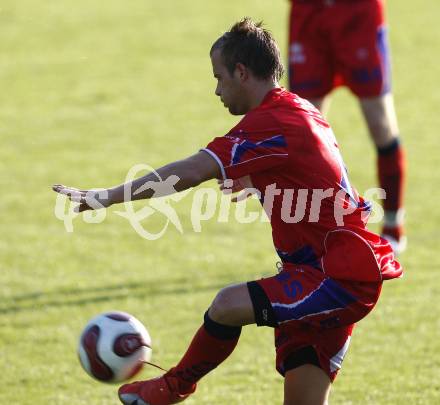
[(243, 186), (86, 199)]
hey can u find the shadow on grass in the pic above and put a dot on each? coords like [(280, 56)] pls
[(67, 297)]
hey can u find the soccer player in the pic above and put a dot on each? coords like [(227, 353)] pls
[(332, 267), (344, 42)]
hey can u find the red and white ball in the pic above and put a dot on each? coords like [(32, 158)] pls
[(114, 346)]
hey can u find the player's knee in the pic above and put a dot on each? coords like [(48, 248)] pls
[(233, 306), (221, 309)]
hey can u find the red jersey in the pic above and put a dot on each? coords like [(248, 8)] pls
[(292, 158)]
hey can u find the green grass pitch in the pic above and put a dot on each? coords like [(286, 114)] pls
[(87, 90)]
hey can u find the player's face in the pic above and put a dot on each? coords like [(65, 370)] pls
[(229, 87)]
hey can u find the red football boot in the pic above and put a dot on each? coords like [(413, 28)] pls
[(162, 390)]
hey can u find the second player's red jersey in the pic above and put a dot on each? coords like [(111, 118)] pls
[(291, 156)]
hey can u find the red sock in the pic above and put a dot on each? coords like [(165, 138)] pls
[(211, 345), (394, 231), (391, 170)]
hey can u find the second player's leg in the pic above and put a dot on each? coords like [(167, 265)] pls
[(381, 119), (380, 116)]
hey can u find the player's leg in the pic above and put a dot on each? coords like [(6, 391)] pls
[(381, 119), (244, 304), (212, 344), (306, 385), (217, 337), (314, 316), (361, 44)]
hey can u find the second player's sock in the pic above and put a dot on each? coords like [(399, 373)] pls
[(395, 232), (210, 346), (391, 170)]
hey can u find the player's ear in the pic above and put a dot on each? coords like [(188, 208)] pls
[(241, 71)]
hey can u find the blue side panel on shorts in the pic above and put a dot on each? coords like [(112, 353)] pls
[(381, 73), (382, 46), (304, 255), (328, 297)]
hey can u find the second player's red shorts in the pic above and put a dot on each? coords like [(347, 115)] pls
[(313, 315), (338, 42)]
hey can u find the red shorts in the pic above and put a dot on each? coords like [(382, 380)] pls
[(338, 42), (313, 315)]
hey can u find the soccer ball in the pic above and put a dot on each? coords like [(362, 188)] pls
[(113, 347)]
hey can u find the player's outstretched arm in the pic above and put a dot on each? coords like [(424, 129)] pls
[(169, 179)]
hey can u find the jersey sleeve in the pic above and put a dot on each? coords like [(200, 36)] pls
[(240, 156)]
